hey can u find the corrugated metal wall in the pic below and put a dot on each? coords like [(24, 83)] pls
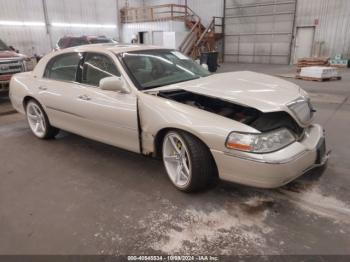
[(207, 9), (28, 39), (82, 12), (34, 39), (259, 31), (331, 19)]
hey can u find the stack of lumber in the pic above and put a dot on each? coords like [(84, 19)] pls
[(312, 61)]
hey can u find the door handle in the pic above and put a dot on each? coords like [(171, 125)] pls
[(42, 88), (84, 97)]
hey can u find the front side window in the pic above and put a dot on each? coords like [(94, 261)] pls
[(97, 67), (63, 67), (156, 68)]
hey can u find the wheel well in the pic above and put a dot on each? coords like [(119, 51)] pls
[(26, 100), (158, 141)]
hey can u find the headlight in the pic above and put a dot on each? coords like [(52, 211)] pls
[(28, 64), (302, 109), (24, 66), (260, 143)]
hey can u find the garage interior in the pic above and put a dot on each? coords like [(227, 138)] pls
[(75, 196)]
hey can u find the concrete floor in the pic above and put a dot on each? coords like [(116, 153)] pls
[(76, 196)]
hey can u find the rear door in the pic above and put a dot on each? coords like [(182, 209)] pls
[(58, 90), (304, 42)]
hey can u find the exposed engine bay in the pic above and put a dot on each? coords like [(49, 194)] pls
[(263, 122)]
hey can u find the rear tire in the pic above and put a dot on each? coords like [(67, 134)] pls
[(188, 162), (39, 122)]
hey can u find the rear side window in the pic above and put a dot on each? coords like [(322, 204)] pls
[(97, 67), (61, 43), (63, 67)]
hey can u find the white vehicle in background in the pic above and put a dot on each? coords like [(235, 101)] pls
[(243, 127)]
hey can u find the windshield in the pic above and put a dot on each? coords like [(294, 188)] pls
[(100, 41), (77, 42), (3, 46), (155, 68)]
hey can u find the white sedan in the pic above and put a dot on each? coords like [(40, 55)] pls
[(242, 127)]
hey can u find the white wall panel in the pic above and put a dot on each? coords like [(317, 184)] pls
[(128, 30), (333, 27), (206, 9), (28, 40), (22, 10), (32, 40), (82, 12)]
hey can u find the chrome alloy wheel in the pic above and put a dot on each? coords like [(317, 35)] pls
[(177, 160), (36, 119)]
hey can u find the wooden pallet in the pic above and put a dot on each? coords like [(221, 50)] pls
[(339, 66), (318, 79)]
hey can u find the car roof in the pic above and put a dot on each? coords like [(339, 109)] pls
[(112, 47)]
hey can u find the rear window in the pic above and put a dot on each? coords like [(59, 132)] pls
[(3, 46), (100, 41), (63, 67), (78, 42)]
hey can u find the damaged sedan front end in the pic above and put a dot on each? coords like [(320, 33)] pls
[(281, 143)]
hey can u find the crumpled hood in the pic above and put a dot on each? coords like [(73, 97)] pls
[(263, 92), (10, 55)]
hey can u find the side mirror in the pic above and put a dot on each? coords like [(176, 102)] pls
[(113, 83)]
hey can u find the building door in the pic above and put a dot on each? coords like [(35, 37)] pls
[(144, 38), (304, 42)]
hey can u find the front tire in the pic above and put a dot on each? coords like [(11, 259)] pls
[(39, 122), (188, 161)]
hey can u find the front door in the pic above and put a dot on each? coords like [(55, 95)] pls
[(108, 116), (304, 42)]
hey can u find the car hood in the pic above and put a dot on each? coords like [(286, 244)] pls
[(10, 55), (263, 92)]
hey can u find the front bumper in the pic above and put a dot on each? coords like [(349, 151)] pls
[(275, 169)]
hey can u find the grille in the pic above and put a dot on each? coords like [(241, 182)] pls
[(11, 67), (302, 109), (9, 62)]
